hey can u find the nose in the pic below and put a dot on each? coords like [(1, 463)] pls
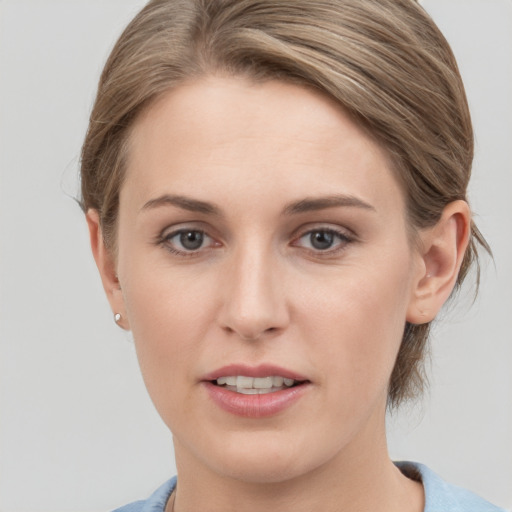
[(254, 299)]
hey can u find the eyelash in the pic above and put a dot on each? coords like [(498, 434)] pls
[(343, 239), (165, 241)]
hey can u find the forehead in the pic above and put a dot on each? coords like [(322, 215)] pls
[(226, 136)]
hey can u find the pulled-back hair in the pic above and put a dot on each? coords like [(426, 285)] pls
[(384, 61)]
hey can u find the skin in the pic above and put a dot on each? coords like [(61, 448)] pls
[(258, 291)]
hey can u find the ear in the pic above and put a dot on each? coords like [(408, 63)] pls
[(442, 250), (106, 263)]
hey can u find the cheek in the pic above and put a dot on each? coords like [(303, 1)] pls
[(169, 320), (356, 322)]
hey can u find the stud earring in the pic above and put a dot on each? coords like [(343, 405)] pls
[(117, 318)]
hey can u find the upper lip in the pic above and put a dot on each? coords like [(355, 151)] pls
[(262, 370)]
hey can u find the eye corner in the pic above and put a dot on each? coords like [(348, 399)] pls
[(329, 240), (175, 241)]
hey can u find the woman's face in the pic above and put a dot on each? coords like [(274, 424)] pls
[(263, 235)]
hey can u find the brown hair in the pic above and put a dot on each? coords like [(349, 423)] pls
[(384, 61)]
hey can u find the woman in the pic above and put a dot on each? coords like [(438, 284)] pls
[(276, 198)]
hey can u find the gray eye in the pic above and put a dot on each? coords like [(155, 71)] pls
[(321, 240), (191, 240), (188, 242)]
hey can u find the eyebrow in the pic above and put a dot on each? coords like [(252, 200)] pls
[(183, 202), (322, 203), (302, 206)]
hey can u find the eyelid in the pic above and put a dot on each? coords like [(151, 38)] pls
[(342, 231), (189, 225), (165, 236), (345, 236)]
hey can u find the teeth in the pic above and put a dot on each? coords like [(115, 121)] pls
[(255, 385), (244, 382), (262, 383), (277, 381), (248, 391)]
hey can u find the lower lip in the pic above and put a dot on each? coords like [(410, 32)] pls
[(255, 406)]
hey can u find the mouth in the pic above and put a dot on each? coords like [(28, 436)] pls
[(260, 391), (256, 385), (255, 392)]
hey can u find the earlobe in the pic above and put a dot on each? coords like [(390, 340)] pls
[(105, 261), (442, 250)]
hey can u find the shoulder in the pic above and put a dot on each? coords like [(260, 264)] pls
[(442, 496), (155, 503)]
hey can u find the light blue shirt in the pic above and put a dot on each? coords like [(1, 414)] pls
[(439, 495)]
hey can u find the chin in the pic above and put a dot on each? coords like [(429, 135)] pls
[(264, 457), (267, 470)]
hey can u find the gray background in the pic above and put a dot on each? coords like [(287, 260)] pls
[(78, 431)]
